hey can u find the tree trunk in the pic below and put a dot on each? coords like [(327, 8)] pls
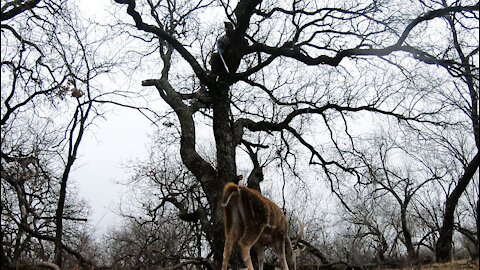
[(79, 119), (62, 198), (59, 223), (412, 255), (223, 132), (226, 162), (477, 247), (443, 248)]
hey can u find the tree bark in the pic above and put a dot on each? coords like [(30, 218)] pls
[(226, 162), (412, 255), (478, 229), (443, 248)]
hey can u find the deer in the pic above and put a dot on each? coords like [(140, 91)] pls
[(254, 221)]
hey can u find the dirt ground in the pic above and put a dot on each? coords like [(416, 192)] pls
[(463, 264)]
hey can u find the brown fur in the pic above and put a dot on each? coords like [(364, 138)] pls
[(254, 221)]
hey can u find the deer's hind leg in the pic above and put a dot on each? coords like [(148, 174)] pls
[(260, 250), (279, 247), (247, 241), (233, 228)]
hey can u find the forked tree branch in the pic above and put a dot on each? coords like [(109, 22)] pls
[(17, 7), (398, 46), (161, 33)]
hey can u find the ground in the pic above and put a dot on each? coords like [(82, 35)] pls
[(462, 264)]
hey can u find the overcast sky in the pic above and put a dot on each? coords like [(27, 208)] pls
[(123, 136), (106, 146)]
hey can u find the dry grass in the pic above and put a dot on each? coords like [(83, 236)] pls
[(462, 264)]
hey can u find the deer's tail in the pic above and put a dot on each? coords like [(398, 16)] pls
[(228, 191)]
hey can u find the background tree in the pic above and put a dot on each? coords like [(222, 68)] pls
[(166, 219), (402, 182), (463, 51), (49, 62)]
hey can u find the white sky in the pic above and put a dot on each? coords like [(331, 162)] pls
[(108, 145), (104, 150)]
